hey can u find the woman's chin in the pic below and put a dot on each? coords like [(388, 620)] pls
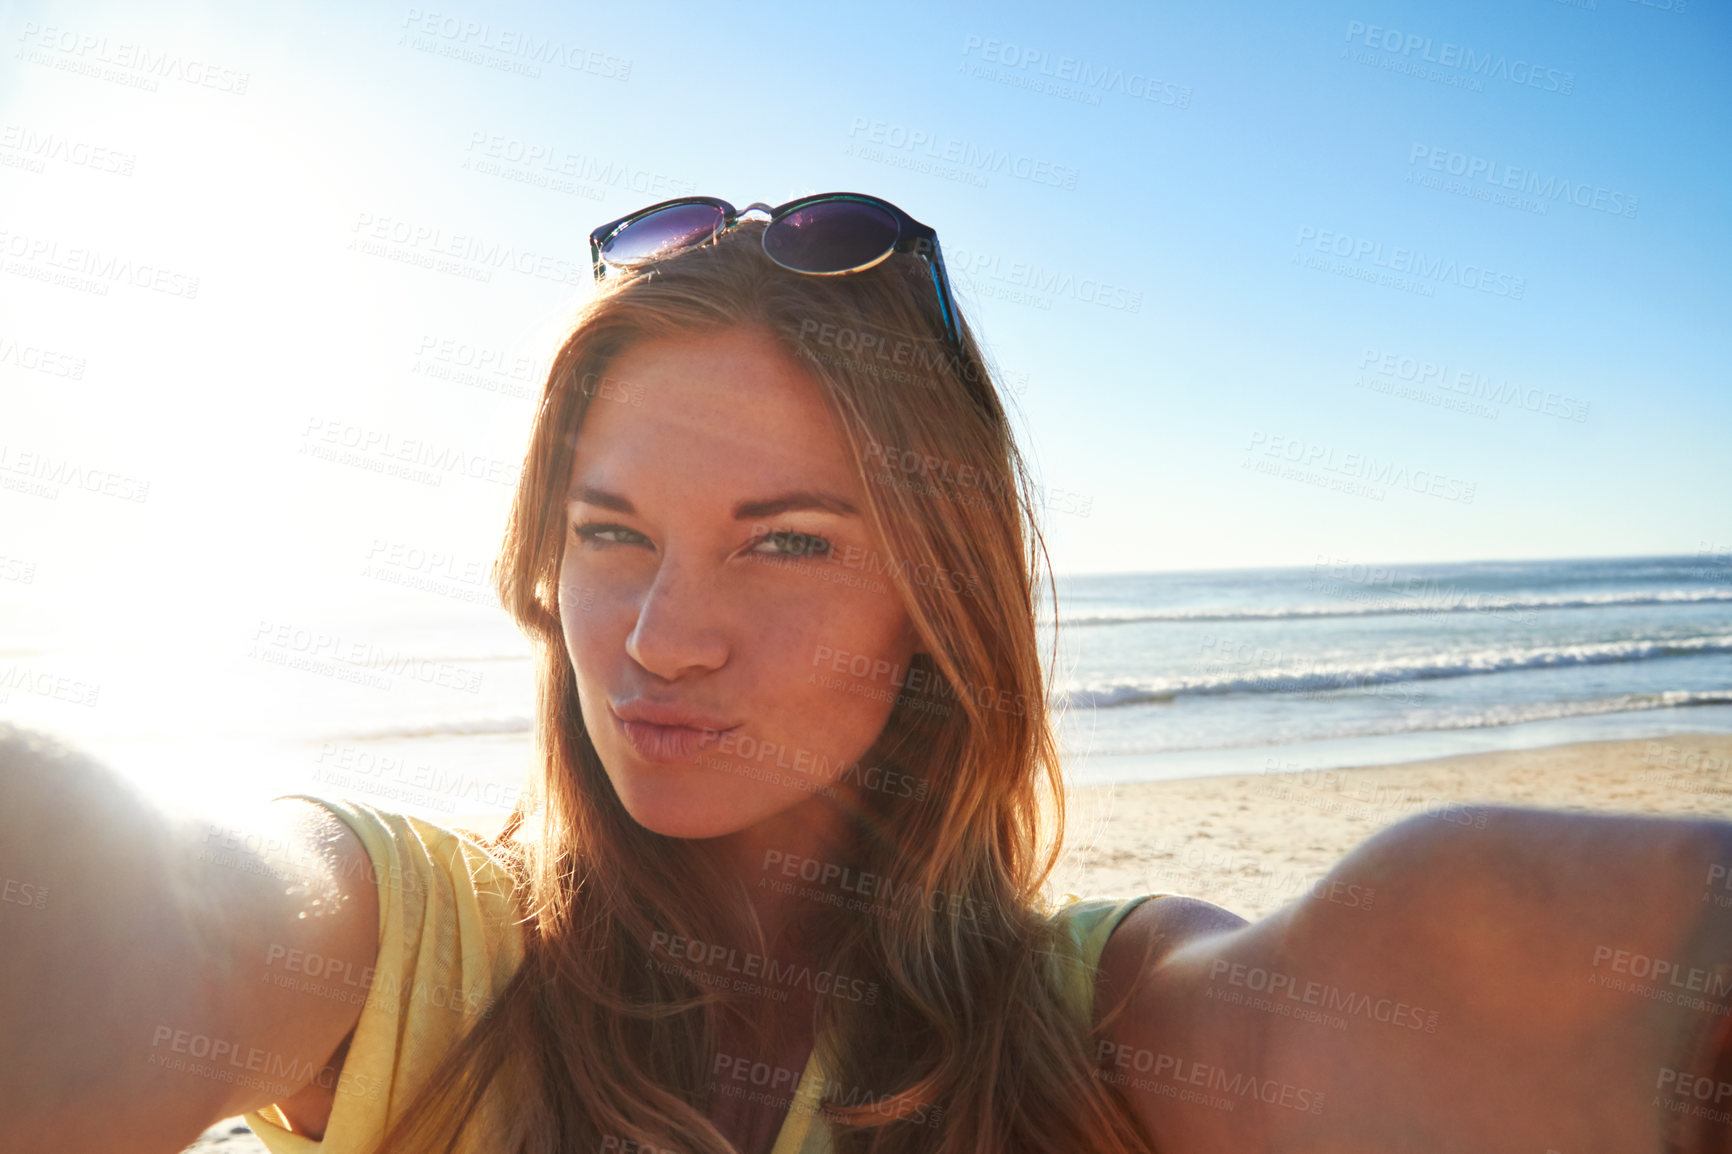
[(682, 822), (683, 813)]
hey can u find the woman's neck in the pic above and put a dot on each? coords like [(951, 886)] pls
[(776, 861)]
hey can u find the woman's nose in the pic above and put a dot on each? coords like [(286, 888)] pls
[(675, 632)]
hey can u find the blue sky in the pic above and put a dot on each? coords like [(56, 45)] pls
[(1268, 401)]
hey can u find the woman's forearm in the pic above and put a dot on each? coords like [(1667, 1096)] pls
[(99, 957), (133, 997)]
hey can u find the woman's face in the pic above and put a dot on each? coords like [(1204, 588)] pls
[(718, 567)]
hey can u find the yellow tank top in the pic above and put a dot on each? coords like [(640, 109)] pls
[(449, 943)]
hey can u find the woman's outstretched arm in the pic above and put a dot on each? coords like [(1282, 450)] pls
[(1534, 981), (147, 977)]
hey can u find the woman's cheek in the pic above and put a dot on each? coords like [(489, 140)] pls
[(583, 597)]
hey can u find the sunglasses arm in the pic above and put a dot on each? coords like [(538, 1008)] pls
[(927, 248)]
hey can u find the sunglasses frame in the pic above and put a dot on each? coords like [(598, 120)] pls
[(911, 237)]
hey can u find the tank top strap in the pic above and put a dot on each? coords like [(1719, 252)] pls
[(1089, 922)]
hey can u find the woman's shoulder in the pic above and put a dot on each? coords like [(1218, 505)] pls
[(428, 872), (409, 853), (451, 936), (1107, 939), (1100, 925), (1116, 939), (1090, 921)]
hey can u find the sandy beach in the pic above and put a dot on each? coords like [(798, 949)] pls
[(1254, 842)]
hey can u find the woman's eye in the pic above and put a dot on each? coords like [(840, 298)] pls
[(606, 534), (783, 544), (798, 544)]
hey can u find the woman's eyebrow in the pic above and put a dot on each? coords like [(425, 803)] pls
[(602, 499), (794, 502), (744, 511)]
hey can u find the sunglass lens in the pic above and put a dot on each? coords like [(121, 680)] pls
[(831, 236), (671, 228)]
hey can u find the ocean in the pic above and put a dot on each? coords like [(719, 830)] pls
[(1339, 664), (418, 696)]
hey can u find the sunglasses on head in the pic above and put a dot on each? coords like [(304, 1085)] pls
[(827, 234)]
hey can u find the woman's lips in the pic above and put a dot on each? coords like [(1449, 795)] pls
[(666, 742)]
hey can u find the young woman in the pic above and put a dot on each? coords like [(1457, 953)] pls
[(778, 883)]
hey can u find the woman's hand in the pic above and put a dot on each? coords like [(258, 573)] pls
[(1538, 981), (159, 979)]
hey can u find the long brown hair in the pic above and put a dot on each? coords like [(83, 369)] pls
[(969, 1043)]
